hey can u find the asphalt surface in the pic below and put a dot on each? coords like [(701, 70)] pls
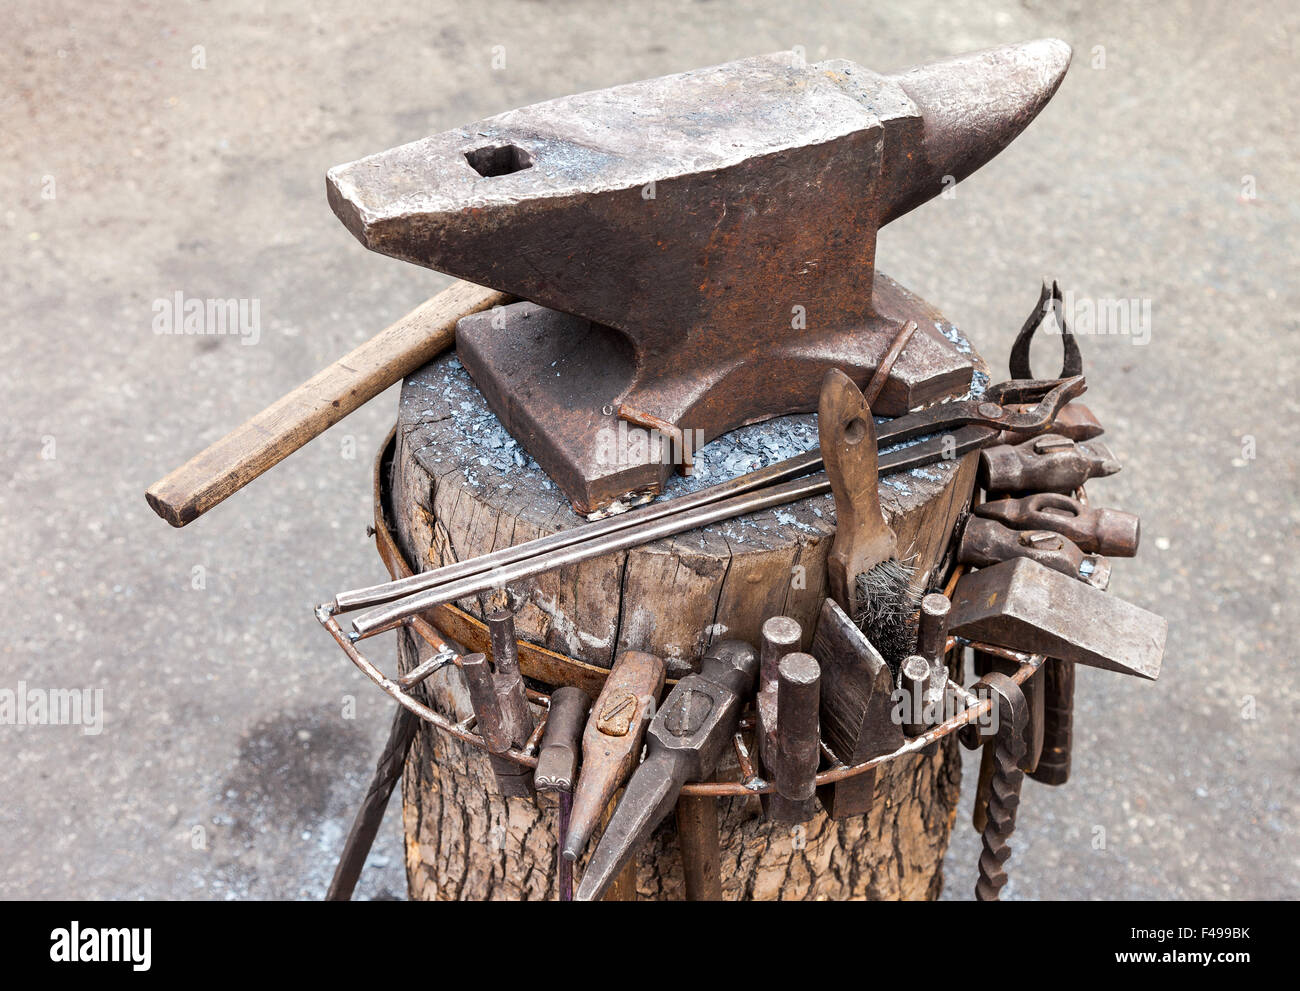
[(181, 148)]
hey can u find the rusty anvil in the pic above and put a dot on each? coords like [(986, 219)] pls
[(695, 250)]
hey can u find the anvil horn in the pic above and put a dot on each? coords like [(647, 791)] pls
[(972, 107)]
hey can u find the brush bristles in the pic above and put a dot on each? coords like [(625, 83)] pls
[(887, 603)]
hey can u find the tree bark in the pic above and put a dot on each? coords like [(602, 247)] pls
[(458, 489)]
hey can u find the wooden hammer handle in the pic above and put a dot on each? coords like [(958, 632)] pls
[(316, 405)]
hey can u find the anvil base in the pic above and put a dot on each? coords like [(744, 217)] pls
[(557, 381)]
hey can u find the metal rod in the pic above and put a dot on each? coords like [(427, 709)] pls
[(795, 467), (361, 837), (530, 748), (382, 618), (896, 431), (395, 690), (424, 669), (881, 376), (749, 776)]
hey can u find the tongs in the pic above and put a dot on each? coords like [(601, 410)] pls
[(951, 429)]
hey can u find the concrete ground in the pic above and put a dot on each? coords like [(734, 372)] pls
[(181, 147)]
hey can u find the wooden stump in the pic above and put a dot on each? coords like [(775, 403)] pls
[(461, 487)]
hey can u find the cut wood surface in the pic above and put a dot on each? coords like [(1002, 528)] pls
[(460, 487), (313, 407)]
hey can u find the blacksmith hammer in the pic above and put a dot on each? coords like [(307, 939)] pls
[(1048, 463), (985, 542), (1026, 606), (611, 741), (1094, 529), (696, 250)]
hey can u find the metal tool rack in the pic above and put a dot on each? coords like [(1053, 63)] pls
[(399, 689)]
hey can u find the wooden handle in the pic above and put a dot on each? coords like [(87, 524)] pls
[(316, 405), (847, 435)]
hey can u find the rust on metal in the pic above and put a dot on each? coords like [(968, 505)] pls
[(1023, 604), (779, 635), (514, 780), (792, 763), (986, 542), (1050, 300), (1094, 529), (1048, 463), (507, 680), (880, 377), (1004, 785), (477, 673), (1058, 722), (681, 450), (1076, 421), (748, 772), (721, 221)]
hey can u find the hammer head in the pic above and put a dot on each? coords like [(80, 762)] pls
[(707, 240)]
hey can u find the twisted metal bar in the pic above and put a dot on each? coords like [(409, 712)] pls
[(1004, 793)]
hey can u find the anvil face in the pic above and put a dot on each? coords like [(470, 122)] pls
[(721, 222)]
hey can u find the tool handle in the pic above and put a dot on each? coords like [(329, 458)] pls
[(847, 435), (309, 410), (1058, 722)]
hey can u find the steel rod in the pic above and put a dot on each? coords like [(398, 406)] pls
[(896, 431), (388, 616)]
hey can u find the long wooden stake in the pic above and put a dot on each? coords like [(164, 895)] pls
[(316, 405)]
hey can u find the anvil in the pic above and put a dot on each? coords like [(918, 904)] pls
[(695, 251)]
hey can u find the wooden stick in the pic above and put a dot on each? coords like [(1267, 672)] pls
[(361, 837), (697, 835), (316, 405)]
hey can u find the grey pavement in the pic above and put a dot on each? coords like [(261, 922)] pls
[(153, 148)]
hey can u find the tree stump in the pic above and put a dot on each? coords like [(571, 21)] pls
[(460, 487)]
